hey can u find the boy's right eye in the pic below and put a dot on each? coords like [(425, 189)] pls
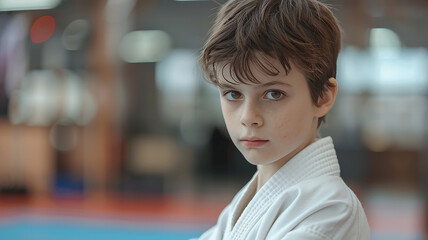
[(233, 95)]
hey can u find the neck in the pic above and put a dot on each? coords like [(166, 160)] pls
[(263, 175), (265, 172)]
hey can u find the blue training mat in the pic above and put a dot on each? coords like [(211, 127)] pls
[(56, 229)]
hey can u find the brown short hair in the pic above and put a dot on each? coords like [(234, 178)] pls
[(304, 32)]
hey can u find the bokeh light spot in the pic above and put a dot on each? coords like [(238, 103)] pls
[(42, 29)]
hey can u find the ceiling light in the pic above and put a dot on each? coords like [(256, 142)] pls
[(20, 5)]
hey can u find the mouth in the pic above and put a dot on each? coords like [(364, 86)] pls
[(253, 142)]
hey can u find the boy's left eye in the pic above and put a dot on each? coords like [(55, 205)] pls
[(275, 95)]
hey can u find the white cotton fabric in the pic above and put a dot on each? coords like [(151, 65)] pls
[(304, 200)]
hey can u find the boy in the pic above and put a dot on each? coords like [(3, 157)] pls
[(274, 63)]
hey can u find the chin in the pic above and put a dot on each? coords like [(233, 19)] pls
[(255, 163), (259, 160), (267, 160)]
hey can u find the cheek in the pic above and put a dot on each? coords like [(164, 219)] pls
[(293, 123), (288, 130), (229, 116), (225, 111)]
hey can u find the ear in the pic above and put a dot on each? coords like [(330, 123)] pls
[(329, 96)]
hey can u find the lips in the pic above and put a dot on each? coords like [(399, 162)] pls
[(253, 142)]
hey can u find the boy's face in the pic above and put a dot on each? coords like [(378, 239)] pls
[(272, 121)]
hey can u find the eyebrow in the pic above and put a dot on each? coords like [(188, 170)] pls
[(268, 84)]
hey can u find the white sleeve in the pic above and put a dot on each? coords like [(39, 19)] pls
[(305, 234), (334, 220)]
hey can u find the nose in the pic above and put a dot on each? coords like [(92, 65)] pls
[(251, 116)]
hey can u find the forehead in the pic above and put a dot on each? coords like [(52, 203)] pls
[(262, 73)]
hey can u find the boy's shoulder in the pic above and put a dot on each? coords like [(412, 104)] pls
[(320, 205), (323, 188)]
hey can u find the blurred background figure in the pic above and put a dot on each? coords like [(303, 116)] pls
[(105, 119)]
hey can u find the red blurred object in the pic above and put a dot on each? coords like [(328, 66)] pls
[(42, 29)]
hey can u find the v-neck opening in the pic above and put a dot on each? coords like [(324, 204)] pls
[(244, 201), (316, 160)]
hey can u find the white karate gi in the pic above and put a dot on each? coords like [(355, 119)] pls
[(304, 200)]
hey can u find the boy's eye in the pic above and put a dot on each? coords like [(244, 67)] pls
[(233, 95), (275, 95)]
